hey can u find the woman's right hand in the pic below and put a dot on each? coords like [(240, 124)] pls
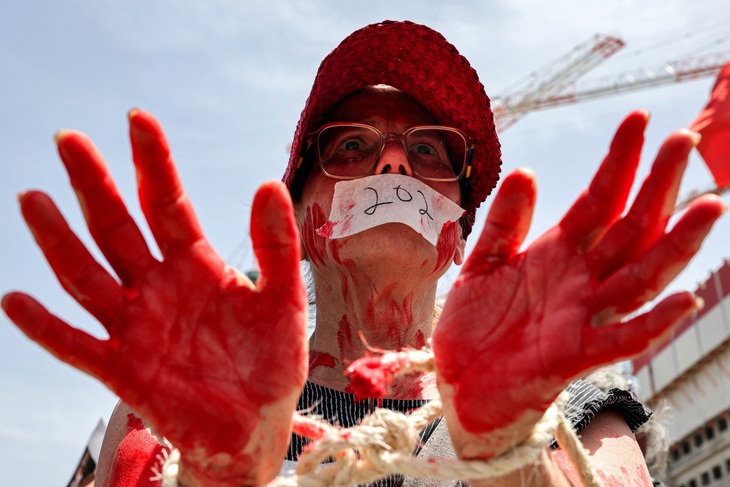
[(212, 362), (518, 326)]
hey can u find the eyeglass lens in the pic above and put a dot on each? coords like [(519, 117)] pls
[(353, 151)]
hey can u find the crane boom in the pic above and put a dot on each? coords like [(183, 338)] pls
[(558, 75), (564, 71), (674, 72)]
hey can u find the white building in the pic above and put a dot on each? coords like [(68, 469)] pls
[(692, 373)]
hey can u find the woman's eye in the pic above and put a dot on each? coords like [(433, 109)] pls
[(424, 149), (351, 144)]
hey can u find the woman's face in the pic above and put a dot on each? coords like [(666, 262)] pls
[(391, 112)]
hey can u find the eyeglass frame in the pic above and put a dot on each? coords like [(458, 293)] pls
[(311, 139)]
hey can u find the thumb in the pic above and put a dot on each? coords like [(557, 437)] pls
[(275, 238)]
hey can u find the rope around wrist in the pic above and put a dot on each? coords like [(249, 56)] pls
[(382, 445)]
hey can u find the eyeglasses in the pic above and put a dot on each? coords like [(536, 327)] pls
[(352, 150)]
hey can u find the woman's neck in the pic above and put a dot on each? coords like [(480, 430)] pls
[(355, 313)]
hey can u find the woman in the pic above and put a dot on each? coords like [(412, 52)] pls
[(216, 365)]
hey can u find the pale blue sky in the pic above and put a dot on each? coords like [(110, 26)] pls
[(228, 80)]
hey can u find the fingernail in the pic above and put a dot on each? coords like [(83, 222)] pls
[(61, 134), (647, 114), (20, 195), (5, 301), (699, 303), (696, 137), (131, 113)]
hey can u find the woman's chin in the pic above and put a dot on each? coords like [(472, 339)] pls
[(393, 246)]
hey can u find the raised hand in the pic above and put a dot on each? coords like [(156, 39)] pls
[(518, 326), (211, 362)]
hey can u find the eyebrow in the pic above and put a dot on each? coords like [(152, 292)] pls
[(373, 122)]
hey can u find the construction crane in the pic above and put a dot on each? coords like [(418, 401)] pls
[(555, 85), (553, 79)]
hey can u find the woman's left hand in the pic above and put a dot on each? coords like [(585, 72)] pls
[(518, 326), (210, 361)]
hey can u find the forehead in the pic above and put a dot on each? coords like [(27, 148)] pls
[(377, 106)]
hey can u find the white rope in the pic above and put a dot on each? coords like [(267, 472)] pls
[(382, 445)]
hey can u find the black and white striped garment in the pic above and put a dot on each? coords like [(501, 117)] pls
[(340, 408), (586, 400)]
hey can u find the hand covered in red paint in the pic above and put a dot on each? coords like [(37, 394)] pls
[(518, 326), (190, 339)]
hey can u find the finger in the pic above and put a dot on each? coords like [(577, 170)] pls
[(111, 225), (508, 221), (68, 344), (605, 199), (77, 271), (275, 239), (618, 341), (642, 280), (647, 219), (167, 208)]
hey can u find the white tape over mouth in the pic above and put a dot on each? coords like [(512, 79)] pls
[(361, 204)]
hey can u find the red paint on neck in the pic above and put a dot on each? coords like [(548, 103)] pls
[(334, 247), (401, 320), (446, 245), (408, 309), (420, 340), (345, 339), (325, 230), (314, 244)]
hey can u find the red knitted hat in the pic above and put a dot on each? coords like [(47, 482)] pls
[(422, 63)]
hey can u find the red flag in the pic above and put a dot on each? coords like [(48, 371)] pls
[(713, 123)]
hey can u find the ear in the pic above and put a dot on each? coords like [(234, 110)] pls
[(459, 254), (297, 216)]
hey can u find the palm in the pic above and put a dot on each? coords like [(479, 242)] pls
[(201, 366), (518, 326), (188, 336)]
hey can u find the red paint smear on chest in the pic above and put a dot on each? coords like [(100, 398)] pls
[(641, 478), (414, 391), (307, 429), (445, 245), (370, 377), (314, 244), (323, 359)]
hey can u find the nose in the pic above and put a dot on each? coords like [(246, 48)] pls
[(394, 159)]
